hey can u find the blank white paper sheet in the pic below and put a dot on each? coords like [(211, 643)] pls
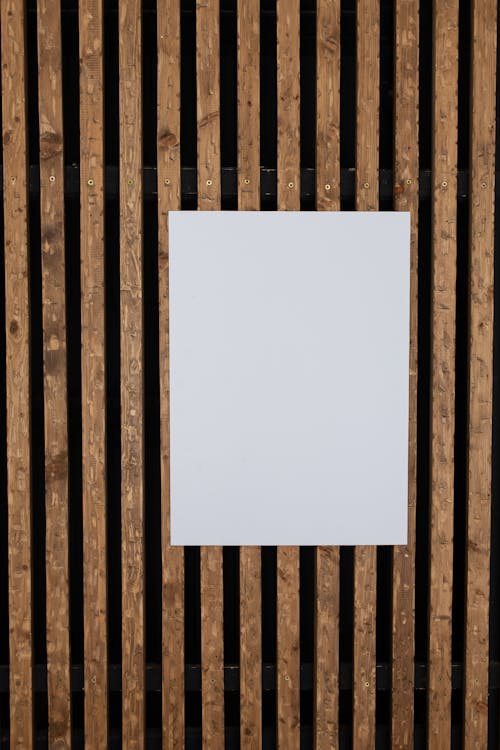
[(289, 348)]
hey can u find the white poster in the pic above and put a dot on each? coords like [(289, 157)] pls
[(289, 347)]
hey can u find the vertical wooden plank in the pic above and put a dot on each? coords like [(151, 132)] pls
[(54, 364), (406, 169), (131, 355), (288, 576), (327, 563), (17, 335), (209, 198), (93, 372), (249, 200), (444, 215), (482, 208), (365, 558), (169, 198)]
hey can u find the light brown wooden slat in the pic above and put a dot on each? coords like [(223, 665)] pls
[(406, 171), (169, 198), (248, 21), (327, 562), (17, 335), (131, 361), (54, 365), (288, 577), (209, 198), (444, 216), (365, 558), (482, 208), (93, 373)]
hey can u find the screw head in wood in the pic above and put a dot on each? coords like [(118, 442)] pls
[(444, 184), (328, 186), (209, 183), (246, 181), (291, 185), (90, 182), (166, 181), (13, 179), (287, 678), (484, 185), (409, 182), (52, 178), (366, 185), (130, 182)]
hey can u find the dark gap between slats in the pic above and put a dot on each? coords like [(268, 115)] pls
[(307, 606), (346, 633), (192, 629), (268, 98), (152, 492), (228, 93), (461, 367), (308, 96), (347, 83), (71, 129), (268, 578), (188, 96), (231, 583)]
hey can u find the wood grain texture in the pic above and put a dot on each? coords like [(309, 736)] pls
[(169, 198), (327, 562), (54, 367), (328, 105), (365, 558), (443, 302), (248, 105), (288, 81), (406, 170), (249, 199), (250, 649), (131, 353), (481, 254), (288, 648), (288, 565), (92, 281), (17, 365), (208, 104), (209, 198)]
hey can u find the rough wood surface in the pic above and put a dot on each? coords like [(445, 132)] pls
[(208, 104), (327, 562), (444, 219), (365, 558), (288, 80), (288, 578), (482, 242), (209, 198), (17, 365), (288, 648), (248, 105), (54, 370), (93, 373), (131, 352), (249, 200), (406, 170), (169, 198)]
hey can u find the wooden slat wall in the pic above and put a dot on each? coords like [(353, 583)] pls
[(365, 558), (35, 73), (481, 255), (93, 372), (444, 239), (17, 337), (169, 198), (209, 198), (248, 31), (288, 575), (54, 365), (406, 185), (131, 374), (327, 563)]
